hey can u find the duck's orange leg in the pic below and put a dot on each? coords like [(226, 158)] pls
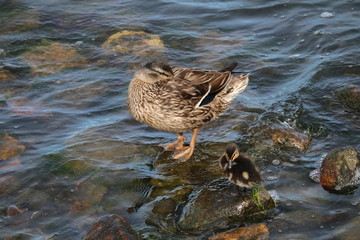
[(179, 143), (184, 153)]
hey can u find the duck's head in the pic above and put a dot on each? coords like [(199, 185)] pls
[(232, 152), (154, 71)]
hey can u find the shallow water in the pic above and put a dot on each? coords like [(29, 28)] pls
[(86, 156)]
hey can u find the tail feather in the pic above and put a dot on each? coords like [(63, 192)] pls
[(235, 86), (229, 68)]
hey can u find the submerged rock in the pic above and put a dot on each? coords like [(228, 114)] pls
[(13, 211), (339, 170), (351, 98), (349, 231), (9, 147), (136, 42), (219, 204), (5, 75), (18, 20), (259, 232), (111, 227), (53, 57), (288, 137)]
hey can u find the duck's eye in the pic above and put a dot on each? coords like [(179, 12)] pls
[(153, 75)]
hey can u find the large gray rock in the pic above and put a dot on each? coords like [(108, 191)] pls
[(219, 204)]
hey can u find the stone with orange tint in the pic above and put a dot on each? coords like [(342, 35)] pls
[(111, 227), (338, 168), (258, 232), (9, 147)]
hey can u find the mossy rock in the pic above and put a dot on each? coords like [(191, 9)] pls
[(219, 205), (58, 164)]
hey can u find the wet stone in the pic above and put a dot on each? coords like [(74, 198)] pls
[(338, 171), (259, 232), (52, 57), (348, 231), (288, 137), (90, 193), (136, 42), (219, 204), (5, 75), (111, 227), (18, 20), (13, 211), (350, 97), (9, 147)]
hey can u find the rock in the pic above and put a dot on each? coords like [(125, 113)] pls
[(350, 97), (34, 198), (286, 136), (90, 193), (8, 184), (259, 232), (5, 75), (339, 169), (135, 42), (219, 204), (80, 96), (111, 227), (22, 106), (349, 231), (18, 20), (13, 211), (9, 147), (52, 57)]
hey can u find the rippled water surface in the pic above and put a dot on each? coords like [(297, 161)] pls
[(85, 156)]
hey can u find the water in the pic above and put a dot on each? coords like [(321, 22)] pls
[(85, 155)]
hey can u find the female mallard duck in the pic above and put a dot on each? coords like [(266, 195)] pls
[(181, 99), (238, 168)]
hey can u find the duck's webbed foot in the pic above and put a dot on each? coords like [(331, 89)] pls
[(184, 153), (179, 143)]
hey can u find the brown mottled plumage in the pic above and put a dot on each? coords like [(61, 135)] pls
[(238, 168), (181, 99)]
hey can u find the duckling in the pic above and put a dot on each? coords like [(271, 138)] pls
[(239, 169), (176, 99)]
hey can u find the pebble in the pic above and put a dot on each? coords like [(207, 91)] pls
[(327, 15), (272, 178), (276, 162), (319, 32)]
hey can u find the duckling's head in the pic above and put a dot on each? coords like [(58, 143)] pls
[(154, 71), (232, 152)]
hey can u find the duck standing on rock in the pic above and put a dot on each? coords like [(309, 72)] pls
[(176, 99), (239, 169)]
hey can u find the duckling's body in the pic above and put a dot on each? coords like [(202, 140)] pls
[(177, 99), (239, 169)]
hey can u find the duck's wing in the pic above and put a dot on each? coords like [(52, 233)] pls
[(217, 80)]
